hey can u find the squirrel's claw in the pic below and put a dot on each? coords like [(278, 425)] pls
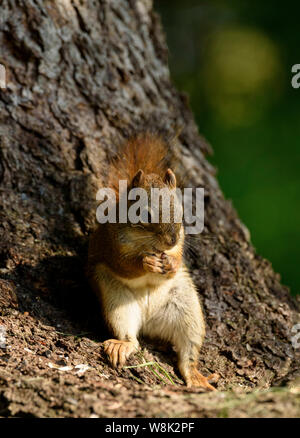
[(160, 264), (153, 263), (170, 264), (118, 351), (195, 378)]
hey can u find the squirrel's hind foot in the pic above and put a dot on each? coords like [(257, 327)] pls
[(195, 378), (118, 351)]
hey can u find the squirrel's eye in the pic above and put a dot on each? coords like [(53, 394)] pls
[(137, 225)]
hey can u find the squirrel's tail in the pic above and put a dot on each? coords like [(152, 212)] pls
[(146, 151)]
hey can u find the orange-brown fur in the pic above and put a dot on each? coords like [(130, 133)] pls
[(146, 151)]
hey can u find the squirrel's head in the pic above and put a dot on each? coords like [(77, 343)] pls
[(160, 226)]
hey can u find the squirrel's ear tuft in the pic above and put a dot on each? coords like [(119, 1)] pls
[(170, 179), (137, 179)]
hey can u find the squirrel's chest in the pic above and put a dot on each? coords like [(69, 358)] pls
[(150, 291), (150, 282)]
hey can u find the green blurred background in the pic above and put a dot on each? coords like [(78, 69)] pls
[(234, 59)]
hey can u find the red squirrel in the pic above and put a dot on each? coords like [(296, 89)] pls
[(137, 270)]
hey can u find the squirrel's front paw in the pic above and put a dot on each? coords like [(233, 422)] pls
[(160, 264), (118, 351), (153, 263), (170, 263)]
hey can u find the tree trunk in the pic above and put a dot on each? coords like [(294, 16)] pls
[(82, 76)]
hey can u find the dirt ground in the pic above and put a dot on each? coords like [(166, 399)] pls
[(50, 368)]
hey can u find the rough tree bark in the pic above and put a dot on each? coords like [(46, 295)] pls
[(82, 75)]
